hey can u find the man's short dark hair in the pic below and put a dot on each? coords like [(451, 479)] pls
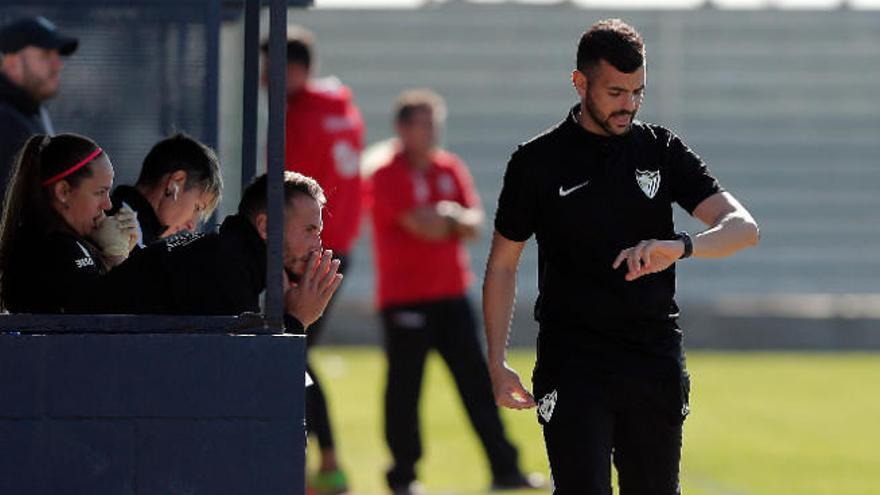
[(614, 41), (183, 152), (253, 200), (414, 100), (300, 46)]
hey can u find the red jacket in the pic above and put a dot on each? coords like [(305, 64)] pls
[(325, 134)]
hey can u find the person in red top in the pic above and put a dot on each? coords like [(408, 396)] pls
[(324, 140), (423, 205)]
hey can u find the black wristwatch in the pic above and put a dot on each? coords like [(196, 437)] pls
[(685, 238)]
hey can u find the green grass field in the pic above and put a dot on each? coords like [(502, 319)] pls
[(763, 423)]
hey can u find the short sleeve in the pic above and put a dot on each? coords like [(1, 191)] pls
[(517, 203), (691, 180), (469, 197)]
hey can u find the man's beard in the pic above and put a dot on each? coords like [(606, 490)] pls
[(605, 124), (39, 89)]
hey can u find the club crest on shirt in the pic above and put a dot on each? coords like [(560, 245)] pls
[(446, 185), (648, 181), (86, 260), (546, 406)]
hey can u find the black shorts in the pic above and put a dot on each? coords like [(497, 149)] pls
[(593, 416)]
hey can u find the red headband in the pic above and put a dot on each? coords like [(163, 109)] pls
[(81, 164)]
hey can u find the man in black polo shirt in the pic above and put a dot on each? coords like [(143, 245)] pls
[(597, 191)]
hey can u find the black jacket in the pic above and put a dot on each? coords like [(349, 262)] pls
[(53, 272), (19, 119), (196, 274), (220, 273), (151, 227)]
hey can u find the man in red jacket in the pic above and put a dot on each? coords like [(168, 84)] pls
[(324, 141), (424, 208)]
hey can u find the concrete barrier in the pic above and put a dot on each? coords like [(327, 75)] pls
[(151, 414)]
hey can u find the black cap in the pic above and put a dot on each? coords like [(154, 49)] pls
[(35, 31)]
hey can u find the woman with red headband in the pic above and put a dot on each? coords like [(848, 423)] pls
[(55, 240)]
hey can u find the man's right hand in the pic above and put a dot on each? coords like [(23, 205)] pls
[(307, 299), (508, 388)]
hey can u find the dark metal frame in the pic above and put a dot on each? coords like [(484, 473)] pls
[(271, 321)]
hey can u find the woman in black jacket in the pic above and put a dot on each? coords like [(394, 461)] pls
[(55, 240)]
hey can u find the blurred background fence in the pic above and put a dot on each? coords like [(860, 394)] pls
[(144, 69), (780, 103)]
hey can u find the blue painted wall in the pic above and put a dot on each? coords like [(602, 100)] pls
[(151, 414)]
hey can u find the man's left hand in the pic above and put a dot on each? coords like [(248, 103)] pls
[(646, 257)]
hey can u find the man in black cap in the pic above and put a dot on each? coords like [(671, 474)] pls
[(30, 66)]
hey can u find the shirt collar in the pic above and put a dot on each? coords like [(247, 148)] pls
[(573, 124)]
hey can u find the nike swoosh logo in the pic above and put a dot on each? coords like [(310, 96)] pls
[(565, 192)]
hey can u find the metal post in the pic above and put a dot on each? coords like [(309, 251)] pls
[(212, 73), (275, 168), (165, 90), (251, 92)]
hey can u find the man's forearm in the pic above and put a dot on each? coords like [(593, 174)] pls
[(442, 221), (499, 292), (730, 234), (468, 223), (425, 223)]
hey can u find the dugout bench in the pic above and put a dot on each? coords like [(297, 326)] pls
[(157, 404)]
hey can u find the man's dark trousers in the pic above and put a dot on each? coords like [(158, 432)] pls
[(448, 326)]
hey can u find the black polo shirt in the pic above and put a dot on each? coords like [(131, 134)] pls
[(586, 197)]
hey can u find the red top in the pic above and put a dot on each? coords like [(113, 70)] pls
[(409, 269), (324, 141)]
